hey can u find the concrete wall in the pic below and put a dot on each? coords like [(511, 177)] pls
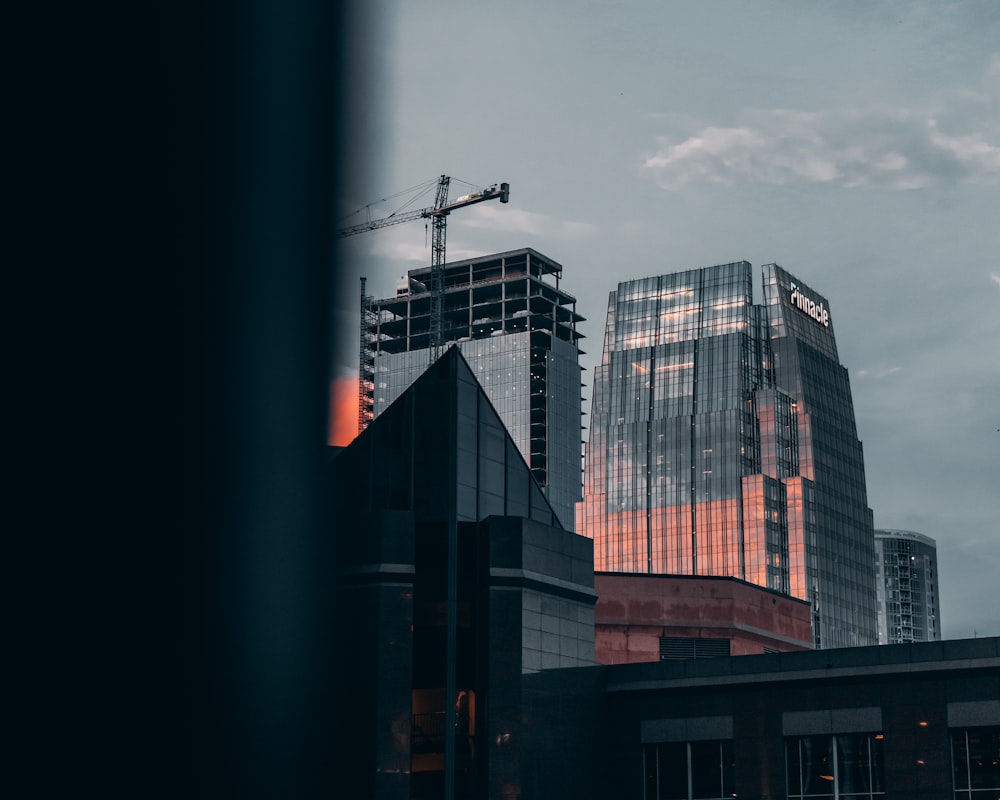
[(634, 611), (553, 571)]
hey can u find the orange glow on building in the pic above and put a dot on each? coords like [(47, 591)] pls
[(635, 612), (715, 530), (343, 420)]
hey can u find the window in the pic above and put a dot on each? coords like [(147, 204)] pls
[(846, 766), (976, 760), (689, 771)]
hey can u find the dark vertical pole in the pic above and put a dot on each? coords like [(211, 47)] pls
[(451, 687)]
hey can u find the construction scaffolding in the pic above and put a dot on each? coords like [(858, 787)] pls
[(366, 360)]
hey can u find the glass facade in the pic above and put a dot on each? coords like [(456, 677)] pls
[(722, 442), (975, 756), (689, 771), (847, 766), (517, 330), (907, 587)]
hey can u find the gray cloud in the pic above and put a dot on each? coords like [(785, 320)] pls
[(515, 220), (888, 149), (891, 148)]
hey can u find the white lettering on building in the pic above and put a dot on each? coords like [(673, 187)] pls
[(810, 307)]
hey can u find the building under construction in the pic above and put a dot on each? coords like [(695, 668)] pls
[(518, 331)]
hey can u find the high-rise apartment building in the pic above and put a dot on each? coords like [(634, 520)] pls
[(907, 587), (723, 442), (517, 329)]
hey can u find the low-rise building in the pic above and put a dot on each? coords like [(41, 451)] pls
[(662, 617)]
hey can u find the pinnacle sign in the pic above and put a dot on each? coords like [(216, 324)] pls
[(810, 307)]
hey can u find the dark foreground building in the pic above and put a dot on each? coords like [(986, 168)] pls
[(455, 578), (899, 722), (911, 722), (723, 442), (467, 624)]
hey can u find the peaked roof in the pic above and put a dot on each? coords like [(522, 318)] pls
[(440, 449)]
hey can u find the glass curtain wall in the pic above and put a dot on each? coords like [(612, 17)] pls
[(722, 442), (838, 538)]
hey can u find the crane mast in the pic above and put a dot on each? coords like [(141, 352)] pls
[(439, 223), (438, 215)]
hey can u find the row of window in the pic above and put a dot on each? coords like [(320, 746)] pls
[(848, 766)]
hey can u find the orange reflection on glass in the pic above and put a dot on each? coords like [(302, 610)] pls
[(794, 493), (343, 415), (627, 541)]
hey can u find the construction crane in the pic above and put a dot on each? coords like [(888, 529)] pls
[(439, 211), (438, 215)]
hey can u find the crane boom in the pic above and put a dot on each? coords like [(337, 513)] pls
[(439, 209), (438, 214), (375, 224)]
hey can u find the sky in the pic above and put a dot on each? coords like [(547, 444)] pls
[(856, 144)]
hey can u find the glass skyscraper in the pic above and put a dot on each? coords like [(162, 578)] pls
[(517, 329), (907, 587), (723, 442)]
